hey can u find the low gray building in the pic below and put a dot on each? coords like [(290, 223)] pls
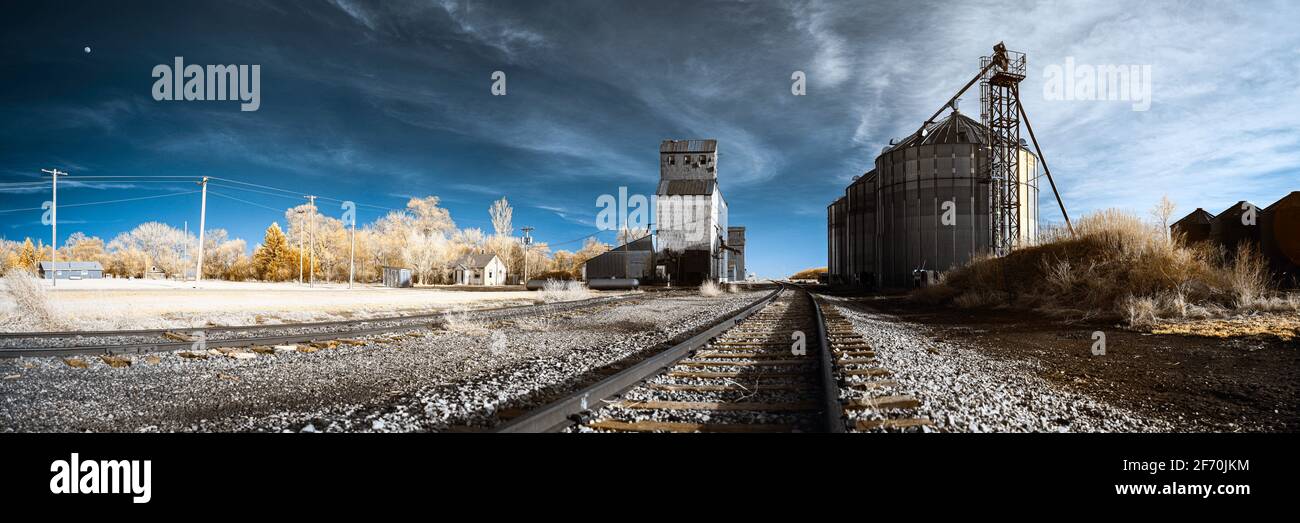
[(632, 260), (71, 270)]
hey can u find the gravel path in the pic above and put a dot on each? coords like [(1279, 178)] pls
[(225, 333), (962, 390), (420, 380)]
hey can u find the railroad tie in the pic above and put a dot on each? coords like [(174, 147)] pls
[(715, 406), (903, 423), (666, 426), (883, 403), (852, 350)]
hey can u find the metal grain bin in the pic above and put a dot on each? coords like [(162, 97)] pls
[(860, 231), (836, 241), (1279, 228), (1195, 227), (913, 180), (1233, 226)]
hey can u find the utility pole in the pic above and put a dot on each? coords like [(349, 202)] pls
[(528, 240), (352, 252), (203, 217), (311, 244), (299, 232), (54, 223)]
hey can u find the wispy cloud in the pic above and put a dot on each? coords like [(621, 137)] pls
[(381, 98)]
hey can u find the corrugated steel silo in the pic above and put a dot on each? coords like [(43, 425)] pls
[(944, 163), (860, 231), (836, 256)]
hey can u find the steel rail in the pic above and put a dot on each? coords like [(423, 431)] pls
[(831, 406), (565, 412)]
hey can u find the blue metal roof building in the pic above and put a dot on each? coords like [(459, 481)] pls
[(71, 270)]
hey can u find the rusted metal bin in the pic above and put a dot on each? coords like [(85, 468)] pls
[(1195, 227), (1279, 228), (1235, 225)]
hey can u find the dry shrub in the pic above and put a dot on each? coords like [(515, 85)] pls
[(1116, 266), (462, 323), (534, 323), (710, 289), (1248, 278), (558, 290), (32, 308)]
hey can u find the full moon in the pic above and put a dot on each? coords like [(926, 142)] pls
[(87, 49)]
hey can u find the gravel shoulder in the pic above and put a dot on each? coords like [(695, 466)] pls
[(468, 376), (962, 390), (1010, 371)]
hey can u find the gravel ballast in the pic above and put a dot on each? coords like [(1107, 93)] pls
[(962, 390), (468, 375)]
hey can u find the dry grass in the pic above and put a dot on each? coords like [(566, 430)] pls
[(1283, 326), (560, 290), (534, 323), (710, 289), (461, 323), (1116, 266), (809, 274), (32, 308)]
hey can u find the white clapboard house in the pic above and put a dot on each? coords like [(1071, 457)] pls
[(480, 269)]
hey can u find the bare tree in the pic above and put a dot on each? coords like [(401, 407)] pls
[(160, 244), (430, 219), (1162, 211), (222, 255), (630, 235), (501, 214)]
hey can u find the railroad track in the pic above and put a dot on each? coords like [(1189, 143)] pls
[(738, 376), (871, 399), (73, 343), (745, 375)]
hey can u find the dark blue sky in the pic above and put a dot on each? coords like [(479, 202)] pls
[(379, 101)]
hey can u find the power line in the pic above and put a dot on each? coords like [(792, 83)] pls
[(295, 194), (254, 191), (103, 202), (277, 211), (141, 176)]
